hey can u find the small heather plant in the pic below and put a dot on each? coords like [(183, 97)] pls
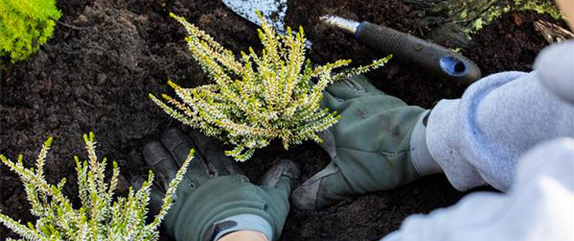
[(25, 25), (99, 217), (257, 98)]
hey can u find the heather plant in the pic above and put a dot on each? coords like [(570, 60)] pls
[(25, 25), (99, 217), (257, 98)]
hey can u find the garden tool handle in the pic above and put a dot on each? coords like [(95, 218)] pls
[(412, 50)]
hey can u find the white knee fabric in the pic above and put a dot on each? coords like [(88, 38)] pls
[(538, 206)]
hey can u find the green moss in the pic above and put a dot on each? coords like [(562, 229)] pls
[(25, 25), (495, 11), (540, 6)]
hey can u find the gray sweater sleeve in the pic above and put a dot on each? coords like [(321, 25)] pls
[(479, 138)]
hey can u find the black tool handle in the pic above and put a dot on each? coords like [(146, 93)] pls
[(412, 50)]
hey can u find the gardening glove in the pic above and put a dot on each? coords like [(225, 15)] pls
[(370, 147), (214, 198)]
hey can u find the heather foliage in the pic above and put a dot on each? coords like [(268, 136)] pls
[(99, 217), (257, 98)]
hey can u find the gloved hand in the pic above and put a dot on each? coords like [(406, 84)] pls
[(214, 197), (369, 147)]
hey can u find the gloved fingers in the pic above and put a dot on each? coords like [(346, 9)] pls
[(283, 175), (179, 146), (329, 101), (325, 188), (352, 87), (210, 150), (161, 163)]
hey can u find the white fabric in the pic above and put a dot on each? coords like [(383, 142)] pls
[(539, 206), (478, 139)]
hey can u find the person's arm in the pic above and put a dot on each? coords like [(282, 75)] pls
[(479, 138), (381, 143)]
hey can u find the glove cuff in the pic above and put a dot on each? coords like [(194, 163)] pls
[(239, 223), (420, 155)]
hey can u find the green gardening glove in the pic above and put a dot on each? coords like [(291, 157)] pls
[(214, 192), (369, 147)]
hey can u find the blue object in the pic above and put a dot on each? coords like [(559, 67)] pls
[(453, 66)]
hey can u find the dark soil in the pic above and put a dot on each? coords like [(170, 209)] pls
[(98, 80)]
